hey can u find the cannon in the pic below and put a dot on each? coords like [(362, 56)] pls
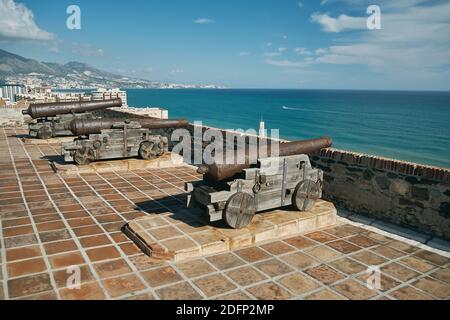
[(103, 139), (236, 192), (52, 119)]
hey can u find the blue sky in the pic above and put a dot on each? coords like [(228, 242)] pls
[(316, 44)]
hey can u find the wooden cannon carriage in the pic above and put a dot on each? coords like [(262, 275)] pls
[(273, 183), (104, 139)]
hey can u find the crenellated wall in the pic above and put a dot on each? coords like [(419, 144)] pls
[(408, 194)]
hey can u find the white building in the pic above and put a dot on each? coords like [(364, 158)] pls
[(104, 94), (9, 91)]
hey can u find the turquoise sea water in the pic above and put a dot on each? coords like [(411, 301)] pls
[(412, 126)]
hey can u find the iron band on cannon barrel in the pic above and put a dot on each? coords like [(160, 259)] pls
[(102, 139), (236, 192), (52, 119)]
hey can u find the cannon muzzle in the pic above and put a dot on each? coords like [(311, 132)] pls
[(42, 110), (220, 172), (80, 127)]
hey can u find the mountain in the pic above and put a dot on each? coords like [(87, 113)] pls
[(15, 68)]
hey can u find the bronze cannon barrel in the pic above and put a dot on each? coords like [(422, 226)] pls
[(220, 172), (58, 108), (81, 127)]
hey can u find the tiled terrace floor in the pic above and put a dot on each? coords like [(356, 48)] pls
[(49, 222)]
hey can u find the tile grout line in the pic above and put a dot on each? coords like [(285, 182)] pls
[(69, 228), (118, 248), (125, 197), (4, 270), (32, 222)]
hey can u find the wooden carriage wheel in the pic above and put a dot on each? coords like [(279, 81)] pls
[(84, 156), (149, 150), (45, 133), (239, 210), (306, 194)]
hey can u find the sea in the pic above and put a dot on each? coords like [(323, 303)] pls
[(404, 125)]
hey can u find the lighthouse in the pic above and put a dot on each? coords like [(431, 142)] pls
[(262, 128)]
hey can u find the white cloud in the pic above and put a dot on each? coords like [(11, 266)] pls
[(300, 4), (269, 44), (204, 21), (87, 50), (244, 54), (279, 52), (413, 39), (286, 63), (302, 51), (54, 50), (341, 23), (176, 71), (17, 23)]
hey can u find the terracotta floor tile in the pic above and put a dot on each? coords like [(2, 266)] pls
[(130, 249), (161, 276), (323, 253), (354, 291), (179, 291), (269, 291), (402, 246), (388, 252), (214, 285), (143, 262), (368, 258), (123, 285), (362, 241), (348, 266), (94, 241), (23, 253), (60, 247), (44, 296), (300, 260), (88, 231), (435, 288), (63, 276), (103, 253), (277, 248), (273, 267), (225, 261), (399, 272), (409, 293), (29, 285), (195, 268), (252, 254), (324, 294), (320, 236), (17, 231), (52, 236), (300, 242), (246, 276), (26, 267), (417, 264), (66, 260), (20, 241), (442, 274), (343, 246), (235, 296), (81, 222), (112, 268), (142, 296), (50, 226), (325, 274), (298, 283), (87, 291), (432, 257)]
